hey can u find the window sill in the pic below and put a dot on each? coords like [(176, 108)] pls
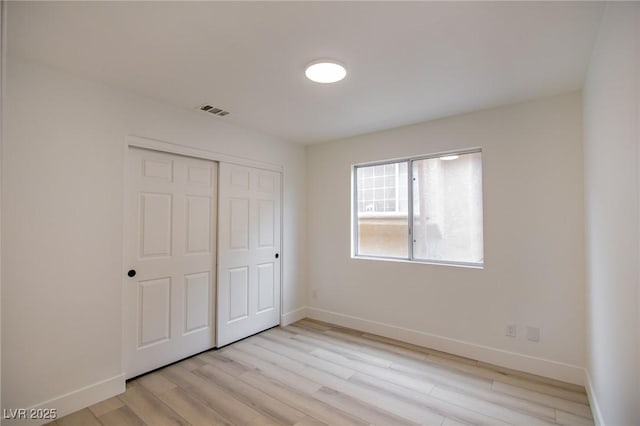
[(467, 265)]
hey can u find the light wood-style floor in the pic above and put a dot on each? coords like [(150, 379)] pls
[(314, 373)]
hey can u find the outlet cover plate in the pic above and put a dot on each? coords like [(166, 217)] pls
[(533, 334)]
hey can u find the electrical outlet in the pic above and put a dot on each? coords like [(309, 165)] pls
[(533, 334), (511, 330)]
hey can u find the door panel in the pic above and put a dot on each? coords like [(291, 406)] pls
[(160, 168), (154, 311), (171, 209), (199, 176), (249, 248), (266, 287), (238, 293), (239, 178), (199, 221), (266, 226), (197, 301), (267, 181), (155, 229), (239, 224)]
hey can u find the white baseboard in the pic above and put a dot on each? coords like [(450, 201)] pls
[(540, 366), (293, 316), (76, 400), (593, 401)]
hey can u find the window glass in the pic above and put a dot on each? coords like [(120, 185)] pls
[(447, 212), (382, 218)]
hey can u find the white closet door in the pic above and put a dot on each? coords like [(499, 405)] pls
[(249, 252), (170, 222)]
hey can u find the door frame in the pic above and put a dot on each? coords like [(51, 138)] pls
[(133, 141)]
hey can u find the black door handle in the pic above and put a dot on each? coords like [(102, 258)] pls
[(277, 255), (131, 273)]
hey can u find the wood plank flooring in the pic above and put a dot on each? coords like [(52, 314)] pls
[(313, 373)]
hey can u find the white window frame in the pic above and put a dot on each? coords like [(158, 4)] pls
[(410, 216)]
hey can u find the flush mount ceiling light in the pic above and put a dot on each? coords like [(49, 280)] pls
[(325, 71), (449, 157)]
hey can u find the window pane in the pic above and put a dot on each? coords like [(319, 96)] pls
[(382, 228), (447, 206)]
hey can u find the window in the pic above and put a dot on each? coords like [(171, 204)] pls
[(423, 209)]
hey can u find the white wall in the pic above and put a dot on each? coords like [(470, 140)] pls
[(612, 188), (533, 235), (3, 53), (62, 198)]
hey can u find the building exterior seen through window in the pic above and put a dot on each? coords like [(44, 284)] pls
[(423, 209)]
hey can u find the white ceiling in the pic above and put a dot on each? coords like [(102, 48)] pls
[(406, 62)]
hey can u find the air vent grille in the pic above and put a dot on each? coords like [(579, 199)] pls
[(213, 110)]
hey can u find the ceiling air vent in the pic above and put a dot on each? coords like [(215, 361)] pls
[(213, 110)]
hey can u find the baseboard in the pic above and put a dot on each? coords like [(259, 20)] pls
[(293, 316), (76, 400), (593, 400), (540, 366)]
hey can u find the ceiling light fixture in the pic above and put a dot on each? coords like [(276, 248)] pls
[(449, 157), (325, 71)]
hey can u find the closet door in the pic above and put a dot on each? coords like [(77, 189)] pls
[(248, 252), (170, 252)]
